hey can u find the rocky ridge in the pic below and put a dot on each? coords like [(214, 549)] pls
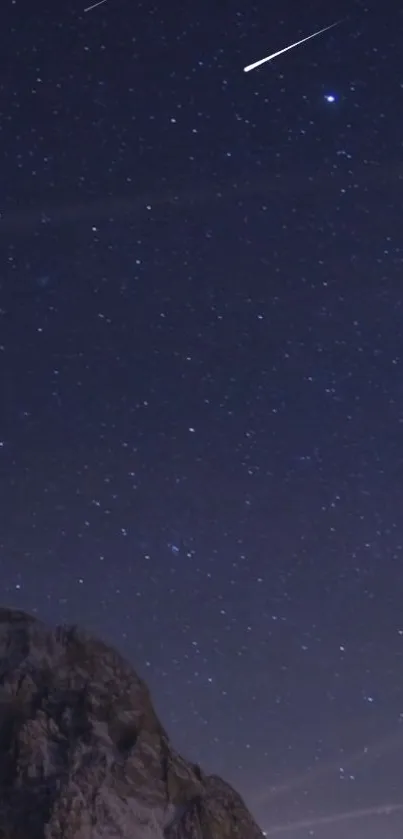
[(83, 754)]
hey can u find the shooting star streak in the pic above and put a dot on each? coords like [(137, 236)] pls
[(384, 810), (88, 9), (369, 753), (297, 43)]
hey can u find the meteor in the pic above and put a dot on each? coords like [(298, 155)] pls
[(383, 810), (297, 43), (88, 9)]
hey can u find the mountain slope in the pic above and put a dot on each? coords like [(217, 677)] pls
[(83, 754)]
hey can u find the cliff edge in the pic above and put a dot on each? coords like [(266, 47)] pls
[(83, 754)]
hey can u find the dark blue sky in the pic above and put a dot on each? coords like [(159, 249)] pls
[(201, 361)]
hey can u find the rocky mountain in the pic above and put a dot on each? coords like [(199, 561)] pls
[(83, 754)]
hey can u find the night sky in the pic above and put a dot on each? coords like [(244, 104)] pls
[(201, 367)]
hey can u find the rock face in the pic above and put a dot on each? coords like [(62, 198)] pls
[(83, 754)]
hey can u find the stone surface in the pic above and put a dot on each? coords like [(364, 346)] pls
[(83, 754)]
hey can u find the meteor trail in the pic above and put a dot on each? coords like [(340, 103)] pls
[(88, 9), (302, 41), (383, 810)]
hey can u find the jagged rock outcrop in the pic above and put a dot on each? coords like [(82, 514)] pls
[(83, 754)]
